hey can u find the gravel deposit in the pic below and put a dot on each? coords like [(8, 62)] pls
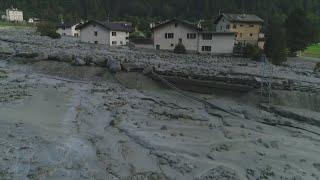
[(63, 121)]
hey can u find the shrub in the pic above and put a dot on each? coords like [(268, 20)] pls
[(317, 68), (47, 29), (253, 52), (180, 49)]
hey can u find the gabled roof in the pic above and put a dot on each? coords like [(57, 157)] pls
[(245, 18), (186, 23), (66, 25), (113, 26)]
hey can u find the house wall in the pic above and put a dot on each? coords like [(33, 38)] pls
[(222, 25), (14, 15), (120, 37), (220, 44), (243, 31), (87, 34), (69, 31), (180, 31)]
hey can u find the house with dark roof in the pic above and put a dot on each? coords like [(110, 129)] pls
[(100, 32), (169, 34), (245, 26), (68, 29)]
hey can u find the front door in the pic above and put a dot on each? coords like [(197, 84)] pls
[(158, 47), (180, 40)]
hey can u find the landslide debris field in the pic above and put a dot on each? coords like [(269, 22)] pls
[(63, 115)]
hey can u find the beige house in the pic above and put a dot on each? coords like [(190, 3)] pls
[(245, 26), (13, 14), (171, 33), (111, 33)]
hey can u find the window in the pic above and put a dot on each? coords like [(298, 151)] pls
[(114, 33), (96, 33), (121, 42), (241, 25), (251, 34), (169, 35), (96, 42), (228, 27), (251, 25), (171, 45), (63, 34), (236, 35), (241, 35), (191, 35), (206, 48), (176, 25), (221, 27), (127, 38), (114, 42), (63, 28), (157, 46), (234, 26), (76, 34), (207, 36)]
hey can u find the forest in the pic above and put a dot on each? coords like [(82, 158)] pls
[(160, 9)]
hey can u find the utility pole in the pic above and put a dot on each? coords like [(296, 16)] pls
[(266, 77)]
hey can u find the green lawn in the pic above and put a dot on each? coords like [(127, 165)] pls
[(312, 51), (4, 23)]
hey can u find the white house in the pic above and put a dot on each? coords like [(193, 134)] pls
[(30, 20), (13, 14), (68, 29), (171, 33), (111, 33), (3, 17)]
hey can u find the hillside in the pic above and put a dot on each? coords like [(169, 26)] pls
[(187, 9)]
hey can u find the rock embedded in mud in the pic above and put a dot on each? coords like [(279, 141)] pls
[(78, 62), (220, 173), (164, 128), (115, 67), (110, 61), (99, 60), (6, 49)]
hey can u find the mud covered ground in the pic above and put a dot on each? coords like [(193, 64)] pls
[(58, 122)]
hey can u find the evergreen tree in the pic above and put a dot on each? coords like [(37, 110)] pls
[(299, 31), (275, 47)]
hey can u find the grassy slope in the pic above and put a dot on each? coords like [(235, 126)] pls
[(312, 51), (3, 23)]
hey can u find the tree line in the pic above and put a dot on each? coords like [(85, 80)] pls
[(164, 9)]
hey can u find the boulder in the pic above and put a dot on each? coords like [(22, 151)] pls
[(132, 67), (66, 57), (147, 70), (99, 61), (61, 57), (41, 56), (78, 62), (110, 61), (115, 67), (6, 49)]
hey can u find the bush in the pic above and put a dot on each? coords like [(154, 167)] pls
[(317, 68), (253, 52), (180, 49), (47, 29), (279, 57)]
